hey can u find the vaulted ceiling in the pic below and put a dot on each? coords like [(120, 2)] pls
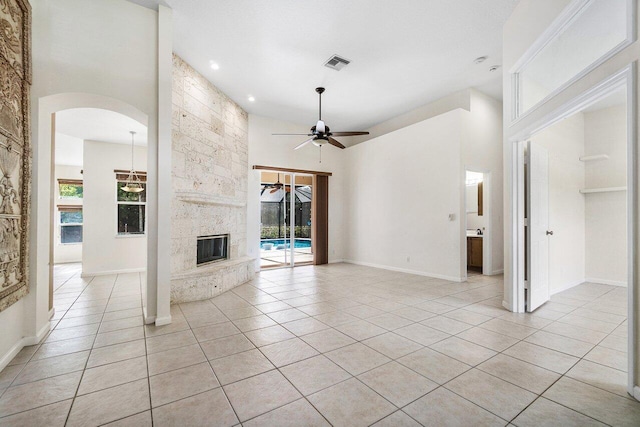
[(403, 53)]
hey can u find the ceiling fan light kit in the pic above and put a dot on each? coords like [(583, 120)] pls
[(321, 134)]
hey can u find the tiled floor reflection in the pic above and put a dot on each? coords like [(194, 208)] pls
[(339, 345)]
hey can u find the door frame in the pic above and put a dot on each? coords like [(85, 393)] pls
[(627, 76), (487, 237)]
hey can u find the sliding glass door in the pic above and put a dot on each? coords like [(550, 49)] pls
[(285, 219)]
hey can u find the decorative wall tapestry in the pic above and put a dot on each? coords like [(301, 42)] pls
[(15, 149)]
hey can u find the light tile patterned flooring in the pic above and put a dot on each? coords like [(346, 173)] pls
[(339, 345)]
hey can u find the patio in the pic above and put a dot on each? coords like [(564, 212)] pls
[(280, 257)]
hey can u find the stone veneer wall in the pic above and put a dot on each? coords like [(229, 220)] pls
[(209, 179)]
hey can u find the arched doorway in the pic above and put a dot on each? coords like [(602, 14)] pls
[(40, 258)]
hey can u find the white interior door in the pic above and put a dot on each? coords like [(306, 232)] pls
[(538, 226)]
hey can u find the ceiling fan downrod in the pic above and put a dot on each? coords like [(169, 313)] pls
[(320, 91)]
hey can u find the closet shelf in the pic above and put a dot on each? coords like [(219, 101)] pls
[(602, 190), (594, 157)]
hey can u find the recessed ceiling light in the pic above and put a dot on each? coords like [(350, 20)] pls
[(480, 59), (251, 99), (494, 68), (214, 65)]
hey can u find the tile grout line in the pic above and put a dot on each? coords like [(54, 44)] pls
[(291, 288), (39, 345), (146, 354), (211, 367), (73, 401)]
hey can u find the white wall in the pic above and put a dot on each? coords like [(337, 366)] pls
[(565, 143), (606, 213), (104, 252), (451, 102), (268, 150), (401, 188), (71, 252), (12, 321), (106, 47)]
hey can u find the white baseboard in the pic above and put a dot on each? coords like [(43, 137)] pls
[(336, 261), (52, 313), (25, 341), (496, 272), (41, 334), (505, 305), (406, 270), (107, 273), (8, 356), (606, 282), (147, 319), (636, 392), (567, 286)]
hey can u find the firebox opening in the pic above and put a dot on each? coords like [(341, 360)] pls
[(212, 249)]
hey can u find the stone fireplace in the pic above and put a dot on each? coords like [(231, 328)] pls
[(209, 180)]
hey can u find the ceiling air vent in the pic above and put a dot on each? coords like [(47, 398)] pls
[(337, 63)]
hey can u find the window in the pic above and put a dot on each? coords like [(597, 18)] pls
[(585, 34), (70, 188), (131, 206), (70, 224)]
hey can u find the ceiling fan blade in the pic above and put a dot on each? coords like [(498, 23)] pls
[(297, 134), (304, 143), (349, 133), (335, 143)]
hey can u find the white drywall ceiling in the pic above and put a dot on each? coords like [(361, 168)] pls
[(404, 53), (69, 150)]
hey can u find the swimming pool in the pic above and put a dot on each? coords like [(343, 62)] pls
[(300, 243)]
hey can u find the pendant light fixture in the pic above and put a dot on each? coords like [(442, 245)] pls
[(133, 184)]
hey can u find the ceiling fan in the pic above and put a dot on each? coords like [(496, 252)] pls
[(275, 186), (320, 133)]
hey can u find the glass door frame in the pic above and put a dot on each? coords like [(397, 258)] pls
[(292, 216), (290, 197)]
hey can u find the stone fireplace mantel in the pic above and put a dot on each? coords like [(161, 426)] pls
[(208, 199)]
